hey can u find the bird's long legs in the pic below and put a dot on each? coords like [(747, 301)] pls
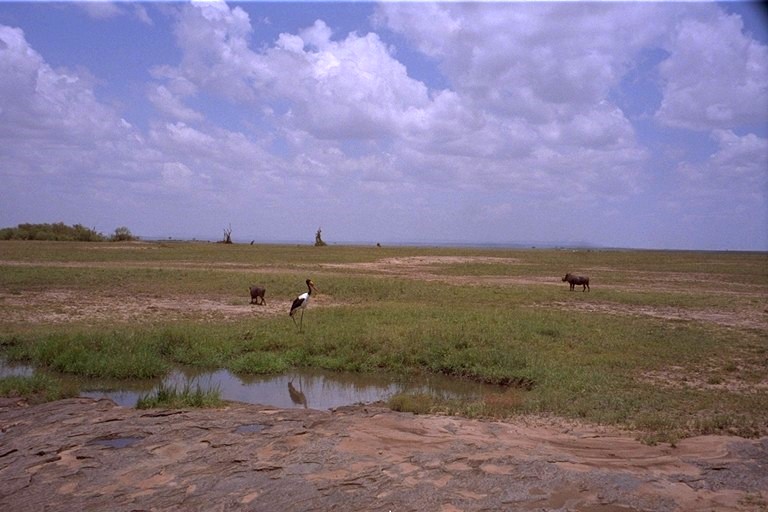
[(300, 325)]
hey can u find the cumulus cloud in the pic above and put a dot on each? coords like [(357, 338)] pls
[(531, 89), (715, 77), (350, 88), (172, 104), (736, 169), (530, 103), (39, 103), (720, 201), (177, 175), (528, 111), (61, 143), (100, 10), (216, 55), (538, 60)]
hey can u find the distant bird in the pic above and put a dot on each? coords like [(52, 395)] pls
[(300, 303)]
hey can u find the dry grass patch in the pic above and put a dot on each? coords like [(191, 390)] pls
[(744, 377), (64, 306)]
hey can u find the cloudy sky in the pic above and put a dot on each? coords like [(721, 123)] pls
[(624, 124)]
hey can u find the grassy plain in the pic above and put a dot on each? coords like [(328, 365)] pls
[(670, 343)]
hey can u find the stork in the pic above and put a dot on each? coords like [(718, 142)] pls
[(300, 303)]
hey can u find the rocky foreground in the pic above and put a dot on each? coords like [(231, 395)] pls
[(83, 454)]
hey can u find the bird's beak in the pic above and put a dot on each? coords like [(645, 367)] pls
[(313, 286)]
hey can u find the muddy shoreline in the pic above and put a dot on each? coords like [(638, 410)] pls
[(84, 454)]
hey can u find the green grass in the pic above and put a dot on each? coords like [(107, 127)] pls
[(510, 322), (109, 354), (35, 389), (190, 395)]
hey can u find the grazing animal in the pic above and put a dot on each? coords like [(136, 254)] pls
[(257, 292), (300, 303), (577, 280)]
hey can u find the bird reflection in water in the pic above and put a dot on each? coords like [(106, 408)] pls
[(297, 396)]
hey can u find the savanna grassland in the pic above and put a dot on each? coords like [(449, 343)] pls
[(671, 344)]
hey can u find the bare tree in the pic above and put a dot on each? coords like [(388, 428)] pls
[(318, 239), (227, 235)]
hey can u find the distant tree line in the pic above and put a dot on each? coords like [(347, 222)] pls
[(63, 233)]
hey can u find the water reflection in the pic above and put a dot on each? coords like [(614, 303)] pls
[(305, 388), (297, 396), (15, 370)]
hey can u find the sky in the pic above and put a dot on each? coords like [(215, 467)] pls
[(627, 124)]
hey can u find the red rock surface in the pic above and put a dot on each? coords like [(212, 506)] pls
[(81, 454)]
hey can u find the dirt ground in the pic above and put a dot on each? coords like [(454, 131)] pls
[(64, 306), (82, 454)]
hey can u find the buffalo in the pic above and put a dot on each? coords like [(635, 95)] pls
[(577, 280)]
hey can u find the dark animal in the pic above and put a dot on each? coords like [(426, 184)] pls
[(300, 303), (577, 280), (257, 292)]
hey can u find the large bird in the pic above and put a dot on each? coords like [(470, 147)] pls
[(300, 303)]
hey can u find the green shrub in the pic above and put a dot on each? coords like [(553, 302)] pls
[(259, 363), (122, 234), (51, 232)]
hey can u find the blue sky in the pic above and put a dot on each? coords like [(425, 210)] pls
[(626, 124)]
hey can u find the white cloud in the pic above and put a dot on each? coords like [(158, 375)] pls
[(39, 103), (350, 88), (103, 10), (141, 14), (177, 175), (715, 77), (100, 9), (215, 41), (538, 60), (224, 155), (735, 172), (189, 138), (525, 119), (172, 105), (353, 89), (318, 35), (60, 143), (720, 202), (531, 107)]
